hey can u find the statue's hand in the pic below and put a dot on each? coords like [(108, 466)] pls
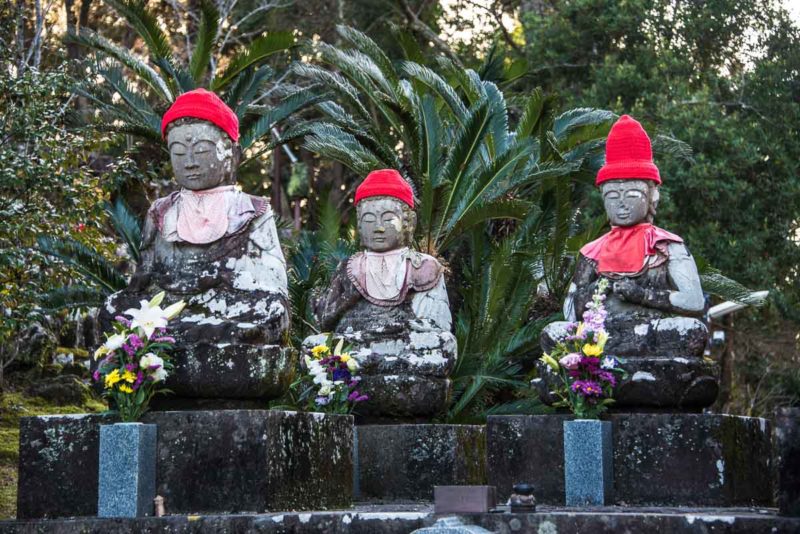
[(629, 291)]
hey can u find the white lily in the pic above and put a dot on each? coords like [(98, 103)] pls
[(112, 343), (148, 317), (352, 365), (172, 311), (159, 374), (149, 360)]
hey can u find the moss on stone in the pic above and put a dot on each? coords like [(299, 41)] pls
[(14, 406)]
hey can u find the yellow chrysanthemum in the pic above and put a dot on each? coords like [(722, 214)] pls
[(112, 378), (320, 350), (125, 388), (344, 357), (129, 377), (592, 350)]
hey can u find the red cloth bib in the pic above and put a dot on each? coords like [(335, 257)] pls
[(626, 248)]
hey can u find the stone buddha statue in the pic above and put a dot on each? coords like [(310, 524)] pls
[(655, 300), (217, 248), (390, 305)]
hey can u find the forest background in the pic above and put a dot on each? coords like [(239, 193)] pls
[(327, 89)]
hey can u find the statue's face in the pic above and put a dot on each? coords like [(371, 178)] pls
[(201, 154), (627, 202), (380, 224)]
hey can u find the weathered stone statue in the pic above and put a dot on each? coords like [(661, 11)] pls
[(390, 305), (217, 248), (655, 297)]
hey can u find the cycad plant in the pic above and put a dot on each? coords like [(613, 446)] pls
[(497, 196), (98, 277), (137, 90)]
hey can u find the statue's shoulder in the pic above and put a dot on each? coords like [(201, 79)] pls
[(425, 272), (159, 208)]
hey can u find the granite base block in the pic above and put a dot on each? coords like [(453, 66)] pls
[(659, 459), (787, 459), (588, 474), (208, 462), (403, 463), (127, 481)]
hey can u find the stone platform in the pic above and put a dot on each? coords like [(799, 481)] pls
[(402, 463), (407, 519), (659, 459), (208, 461)]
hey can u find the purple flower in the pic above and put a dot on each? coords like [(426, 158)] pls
[(587, 388), (322, 401), (96, 376), (131, 366), (362, 398), (135, 341), (164, 339), (353, 396), (607, 376), (341, 374), (570, 361), (123, 321), (129, 350)]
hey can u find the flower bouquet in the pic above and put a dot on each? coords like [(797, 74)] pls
[(135, 358), (330, 381), (587, 375)]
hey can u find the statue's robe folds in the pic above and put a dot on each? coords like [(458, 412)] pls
[(398, 330), (230, 335)]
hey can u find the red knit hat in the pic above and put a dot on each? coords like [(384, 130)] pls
[(202, 104), (385, 182), (628, 153)]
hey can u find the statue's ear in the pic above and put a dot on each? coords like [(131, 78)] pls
[(412, 221)]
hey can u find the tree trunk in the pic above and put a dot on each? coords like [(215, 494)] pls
[(72, 28)]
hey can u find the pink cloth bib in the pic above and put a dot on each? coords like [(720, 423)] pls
[(203, 215)]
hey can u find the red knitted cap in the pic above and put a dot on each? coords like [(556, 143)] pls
[(385, 182), (628, 153), (202, 104)]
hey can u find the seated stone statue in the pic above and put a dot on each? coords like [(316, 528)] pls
[(390, 305), (217, 248), (655, 298)]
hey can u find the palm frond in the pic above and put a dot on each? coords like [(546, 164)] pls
[(144, 22), (86, 261), (92, 40), (72, 297), (370, 48), (127, 226), (204, 42), (255, 53)]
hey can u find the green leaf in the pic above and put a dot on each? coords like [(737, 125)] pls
[(144, 22), (256, 52), (204, 40)]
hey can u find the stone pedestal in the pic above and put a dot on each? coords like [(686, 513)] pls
[(127, 482), (231, 371), (675, 384), (208, 461), (403, 463), (659, 459), (588, 471), (787, 460)]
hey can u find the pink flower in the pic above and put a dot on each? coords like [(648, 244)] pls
[(570, 361)]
